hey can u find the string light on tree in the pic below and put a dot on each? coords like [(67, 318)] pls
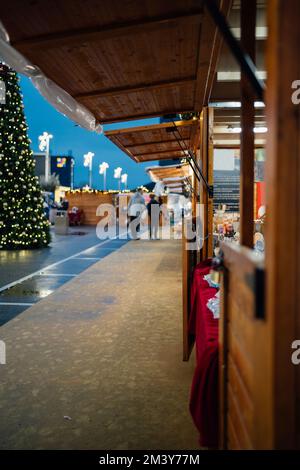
[(22, 220)]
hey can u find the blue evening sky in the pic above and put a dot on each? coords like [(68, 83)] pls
[(41, 116)]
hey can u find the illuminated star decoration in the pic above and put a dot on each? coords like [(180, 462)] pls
[(117, 172), (103, 167), (44, 139), (88, 159), (124, 178)]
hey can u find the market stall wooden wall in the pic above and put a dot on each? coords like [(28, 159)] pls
[(244, 369), (243, 393), (89, 202), (259, 383), (283, 219)]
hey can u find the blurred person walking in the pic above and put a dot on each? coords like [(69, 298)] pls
[(153, 208), (136, 208)]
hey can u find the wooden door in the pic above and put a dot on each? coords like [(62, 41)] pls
[(244, 353), (260, 317)]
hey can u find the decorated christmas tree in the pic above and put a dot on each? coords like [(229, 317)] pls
[(22, 221)]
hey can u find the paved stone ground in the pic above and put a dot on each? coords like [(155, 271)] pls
[(18, 263), (105, 350), (73, 253)]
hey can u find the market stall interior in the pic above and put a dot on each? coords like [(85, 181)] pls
[(203, 65)]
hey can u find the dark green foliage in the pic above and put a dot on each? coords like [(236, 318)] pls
[(22, 221)]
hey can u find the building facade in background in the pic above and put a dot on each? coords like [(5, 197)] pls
[(227, 178), (61, 165)]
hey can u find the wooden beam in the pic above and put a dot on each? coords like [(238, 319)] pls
[(248, 22), (150, 127), (133, 117), (144, 154), (234, 146), (236, 112), (236, 122), (156, 142), (178, 180), (156, 157), (79, 36), (227, 136), (135, 88)]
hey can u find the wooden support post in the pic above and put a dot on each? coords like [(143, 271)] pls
[(207, 169), (200, 184), (210, 180), (204, 161), (196, 184), (248, 22), (283, 217)]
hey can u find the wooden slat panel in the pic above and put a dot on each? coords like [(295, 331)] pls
[(133, 61), (242, 293), (233, 438), (237, 421), (160, 141), (223, 363), (241, 360), (145, 103), (27, 18), (241, 324), (246, 364), (243, 398), (163, 172)]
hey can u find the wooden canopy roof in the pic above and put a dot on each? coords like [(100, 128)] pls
[(121, 59), (163, 141), (170, 174)]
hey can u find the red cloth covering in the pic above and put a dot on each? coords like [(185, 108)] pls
[(75, 218), (203, 326)]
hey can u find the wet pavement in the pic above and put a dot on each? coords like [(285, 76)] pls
[(28, 276)]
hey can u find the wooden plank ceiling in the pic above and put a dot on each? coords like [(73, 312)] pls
[(175, 177), (165, 141), (122, 59)]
